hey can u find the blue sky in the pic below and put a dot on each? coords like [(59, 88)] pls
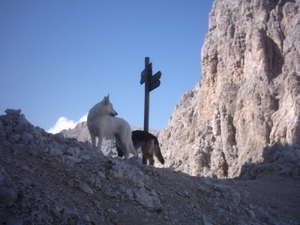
[(60, 58)]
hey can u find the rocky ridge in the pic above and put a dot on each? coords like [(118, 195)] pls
[(249, 96), (49, 179)]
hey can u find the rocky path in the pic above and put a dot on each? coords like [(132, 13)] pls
[(37, 189)]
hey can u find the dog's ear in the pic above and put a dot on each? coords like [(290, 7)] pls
[(106, 99)]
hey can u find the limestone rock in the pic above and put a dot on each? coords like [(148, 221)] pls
[(16, 130), (249, 96), (8, 194)]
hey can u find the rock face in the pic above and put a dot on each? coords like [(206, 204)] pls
[(249, 97)]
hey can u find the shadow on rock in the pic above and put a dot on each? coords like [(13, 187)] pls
[(279, 160)]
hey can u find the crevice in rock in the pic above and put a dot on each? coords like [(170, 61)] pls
[(268, 133), (225, 165), (233, 130), (274, 58), (275, 104)]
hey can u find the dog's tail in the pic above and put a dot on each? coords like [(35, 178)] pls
[(157, 151)]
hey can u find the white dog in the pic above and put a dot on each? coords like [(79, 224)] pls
[(101, 122)]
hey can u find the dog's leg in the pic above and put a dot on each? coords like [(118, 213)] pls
[(127, 145), (133, 149), (126, 153), (93, 137), (120, 152), (151, 152), (151, 160), (128, 148), (100, 139), (147, 150), (144, 160), (144, 148), (119, 146)]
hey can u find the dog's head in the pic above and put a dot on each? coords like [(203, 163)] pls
[(109, 107)]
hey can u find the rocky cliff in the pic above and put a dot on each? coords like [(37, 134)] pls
[(248, 98)]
